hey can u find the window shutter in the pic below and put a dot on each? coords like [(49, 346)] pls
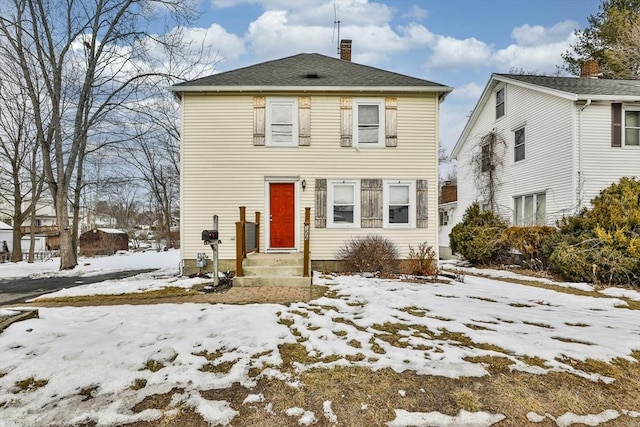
[(304, 120), (346, 122), (616, 124), (321, 203), (258, 120), (391, 132), (371, 203), (422, 203)]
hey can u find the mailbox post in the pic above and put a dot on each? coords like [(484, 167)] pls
[(212, 238)]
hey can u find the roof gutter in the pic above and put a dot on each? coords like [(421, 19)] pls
[(444, 90)]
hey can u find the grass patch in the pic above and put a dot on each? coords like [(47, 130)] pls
[(483, 299), (88, 392), (477, 327), (571, 340), (209, 355), (467, 400), (520, 305), (493, 364), (138, 384), (219, 368), (153, 365), (30, 384), (415, 311), (340, 333), (354, 344), (168, 292), (578, 325), (539, 325)]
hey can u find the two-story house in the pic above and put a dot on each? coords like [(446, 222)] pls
[(537, 148), (356, 145)]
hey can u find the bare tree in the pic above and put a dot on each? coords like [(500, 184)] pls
[(21, 180), (625, 54), (91, 59)]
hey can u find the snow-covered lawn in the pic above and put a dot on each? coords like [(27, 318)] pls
[(94, 364)]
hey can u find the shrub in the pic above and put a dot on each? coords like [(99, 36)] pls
[(477, 237), (369, 253), (601, 245), (529, 241), (422, 261)]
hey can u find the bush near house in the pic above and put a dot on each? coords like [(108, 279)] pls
[(529, 244), (478, 237), (370, 253), (601, 245)]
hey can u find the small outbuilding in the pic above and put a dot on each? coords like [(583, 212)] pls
[(103, 241)]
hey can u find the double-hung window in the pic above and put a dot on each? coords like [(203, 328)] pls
[(368, 122), (282, 122), (530, 209), (344, 204), (399, 204), (632, 127), (518, 146), (499, 103)]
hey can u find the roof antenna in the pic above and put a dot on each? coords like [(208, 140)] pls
[(335, 22)]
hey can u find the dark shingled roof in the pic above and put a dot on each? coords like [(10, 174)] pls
[(310, 69), (582, 86)]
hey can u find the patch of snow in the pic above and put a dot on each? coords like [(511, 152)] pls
[(621, 293), (437, 419), (8, 312), (306, 417), (253, 398), (402, 393), (570, 418), (535, 418), (328, 412), (294, 412), (213, 411)]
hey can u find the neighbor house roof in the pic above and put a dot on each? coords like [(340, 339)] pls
[(581, 86), (309, 72), (572, 88)]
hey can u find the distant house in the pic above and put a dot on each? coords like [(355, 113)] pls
[(447, 216), (537, 148), (103, 241), (355, 144)]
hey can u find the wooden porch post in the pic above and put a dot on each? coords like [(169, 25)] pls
[(257, 232), (239, 254)]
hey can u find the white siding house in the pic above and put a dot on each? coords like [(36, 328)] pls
[(559, 142), (355, 144)]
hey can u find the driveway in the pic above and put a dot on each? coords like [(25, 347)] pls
[(20, 289)]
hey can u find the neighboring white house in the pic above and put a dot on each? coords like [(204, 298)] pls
[(355, 144), (558, 141)]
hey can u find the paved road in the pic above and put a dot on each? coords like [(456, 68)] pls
[(18, 290)]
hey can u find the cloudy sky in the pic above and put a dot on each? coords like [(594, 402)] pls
[(458, 43)]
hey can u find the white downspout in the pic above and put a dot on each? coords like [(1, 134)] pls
[(579, 183)]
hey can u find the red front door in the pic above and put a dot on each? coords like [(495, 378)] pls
[(282, 204)]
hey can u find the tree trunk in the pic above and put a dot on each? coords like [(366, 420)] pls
[(16, 253), (68, 256)]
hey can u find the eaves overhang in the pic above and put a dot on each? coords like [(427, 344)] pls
[(444, 90)]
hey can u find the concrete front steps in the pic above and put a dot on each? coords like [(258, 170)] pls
[(273, 270)]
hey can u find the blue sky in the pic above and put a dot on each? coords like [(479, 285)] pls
[(458, 43)]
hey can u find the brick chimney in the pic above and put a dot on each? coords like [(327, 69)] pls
[(449, 192), (345, 50), (589, 68)]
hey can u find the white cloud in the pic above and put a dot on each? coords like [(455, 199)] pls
[(536, 35), (470, 90), (416, 12), (449, 52)]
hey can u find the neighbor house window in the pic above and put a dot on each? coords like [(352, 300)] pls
[(282, 122), (500, 103), (444, 218), (530, 209), (344, 204), (368, 122), (632, 127), (399, 203), (518, 147)]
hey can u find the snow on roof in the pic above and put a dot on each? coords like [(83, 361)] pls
[(111, 231), (5, 226)]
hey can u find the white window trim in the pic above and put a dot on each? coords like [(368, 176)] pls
[(504, 101), (294, 112), (519, 222), (524, 144), (381, 119), (356, 204), (412, 204), (624, 125)]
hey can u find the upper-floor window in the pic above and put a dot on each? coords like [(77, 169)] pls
[(530, 209), (399, 203), (282, 122), (485, 159), (444, 218), (518, 146), (500, 103), (368, 122), (632, 127), (343, 204)]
